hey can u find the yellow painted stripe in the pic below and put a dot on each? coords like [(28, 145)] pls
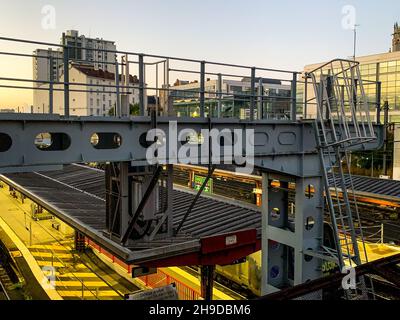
[(77, 275), (50, 255), (87, 283), (58, 264), (87, 294), (49, 246)]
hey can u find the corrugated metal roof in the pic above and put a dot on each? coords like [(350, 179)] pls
[(78, 193), (382, 187)]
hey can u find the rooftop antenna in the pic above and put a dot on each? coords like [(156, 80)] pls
[(355, 41)]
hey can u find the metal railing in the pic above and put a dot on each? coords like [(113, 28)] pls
[(212, 89)]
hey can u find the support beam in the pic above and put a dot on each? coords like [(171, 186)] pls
[(207, 282), (146, 196)]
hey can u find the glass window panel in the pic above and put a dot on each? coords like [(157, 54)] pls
[(391, 63), (384, 64), (392, 69)]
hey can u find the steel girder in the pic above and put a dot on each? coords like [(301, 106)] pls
[(280, 146)]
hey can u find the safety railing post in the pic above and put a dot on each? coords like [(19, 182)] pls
[(202, 88), (293, 111), (253, 93), (51, 85), (219, 106), (305, 97), (141, 85), (66, 76), (117, 112), (260, 99)]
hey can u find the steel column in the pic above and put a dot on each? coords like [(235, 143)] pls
[(284, 240), (207, 282)]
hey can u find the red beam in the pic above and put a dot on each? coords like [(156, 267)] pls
[(216, 250)]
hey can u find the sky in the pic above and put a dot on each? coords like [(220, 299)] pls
[(283, 34)]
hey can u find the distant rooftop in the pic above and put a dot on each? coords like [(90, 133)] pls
[(98, 73)]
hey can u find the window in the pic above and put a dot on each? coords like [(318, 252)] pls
[(98, 102)]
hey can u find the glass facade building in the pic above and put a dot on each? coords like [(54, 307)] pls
[(383, 68)]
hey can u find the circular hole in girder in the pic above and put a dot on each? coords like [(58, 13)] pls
[(307, 257), (309, 192), (52, 141), (5, 142), (106, 140), (274, 245), (274, 272), (275, 214), (309, 223)]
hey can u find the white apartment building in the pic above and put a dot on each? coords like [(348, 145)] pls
[(90, 50), (87, 51), (46, 62), (98, 99)]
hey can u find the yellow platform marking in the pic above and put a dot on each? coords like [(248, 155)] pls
[(86, 283), (50, 255), (88, 294), (58, 264), (77, 275), (49, 247)]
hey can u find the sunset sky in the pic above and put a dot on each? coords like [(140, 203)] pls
[(280, 34)]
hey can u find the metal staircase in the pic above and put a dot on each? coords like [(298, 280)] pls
[(342, 120)]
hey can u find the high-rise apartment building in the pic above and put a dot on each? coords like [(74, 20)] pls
[(46, 63), (88, 51), (96, 52)]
